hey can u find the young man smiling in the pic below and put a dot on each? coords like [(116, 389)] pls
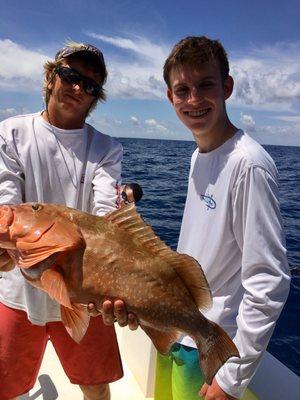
[(54, 156), (231, 225)]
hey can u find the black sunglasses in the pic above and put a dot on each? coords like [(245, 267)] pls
[(70, 75), (124, 196)]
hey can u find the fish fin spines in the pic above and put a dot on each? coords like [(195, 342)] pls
[(162, 340), (129, 219), (76, 321), (214, 352)]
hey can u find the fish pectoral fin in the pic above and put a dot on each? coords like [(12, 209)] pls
[(162, 340), (53, 283), (75, 320)]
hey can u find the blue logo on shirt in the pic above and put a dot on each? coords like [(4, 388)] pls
[(209, 201)]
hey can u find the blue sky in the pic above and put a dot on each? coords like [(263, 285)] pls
[(262, 39)]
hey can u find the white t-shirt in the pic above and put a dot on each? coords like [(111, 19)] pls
[(232, 226), (38, 162)]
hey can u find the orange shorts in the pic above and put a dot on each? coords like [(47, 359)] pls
[(22, 345)]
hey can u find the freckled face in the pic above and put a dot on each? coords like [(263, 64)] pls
[(198, 96)]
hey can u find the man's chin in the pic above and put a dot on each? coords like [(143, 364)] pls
[(69, 107)]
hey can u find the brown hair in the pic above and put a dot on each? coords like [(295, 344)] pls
[(196, 50), (49, 75)]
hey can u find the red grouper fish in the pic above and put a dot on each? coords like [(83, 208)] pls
[(79, 258)]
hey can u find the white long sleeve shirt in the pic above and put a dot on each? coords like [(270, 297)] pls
[(38, 162), (232, 226)]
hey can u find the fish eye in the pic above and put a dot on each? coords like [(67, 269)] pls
[(36, 207)]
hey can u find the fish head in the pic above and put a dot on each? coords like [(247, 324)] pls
[(28, 221), (31, 232)]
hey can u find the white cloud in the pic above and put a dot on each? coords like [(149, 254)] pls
[(154, 125), (295, 119), (134, 120), (134, 83), (11, 112), (248, 121), (280, 134), (109, 122), (133, 127), (142, 47), (268, 78), (139, 76), (20, 68), (8, 112)]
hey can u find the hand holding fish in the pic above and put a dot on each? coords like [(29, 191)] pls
[(114, 311), (214, 392)]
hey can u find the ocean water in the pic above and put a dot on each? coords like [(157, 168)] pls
[(161, 167)]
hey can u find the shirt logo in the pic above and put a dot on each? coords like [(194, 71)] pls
[(209, 201)]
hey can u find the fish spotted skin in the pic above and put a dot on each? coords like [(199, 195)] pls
[(79, 258)]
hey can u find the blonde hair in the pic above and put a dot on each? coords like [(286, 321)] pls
[(50, 72)]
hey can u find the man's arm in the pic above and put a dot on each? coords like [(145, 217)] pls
[(265, 275), (12, 183), (11, 187), (106, 180)]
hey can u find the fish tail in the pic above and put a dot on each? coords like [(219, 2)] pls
[(214, 351)]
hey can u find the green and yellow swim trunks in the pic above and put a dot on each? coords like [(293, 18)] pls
[(178, 375)]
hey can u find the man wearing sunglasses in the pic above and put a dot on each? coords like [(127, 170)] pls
[(54, 156)]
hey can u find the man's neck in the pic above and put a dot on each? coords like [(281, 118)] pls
[(58, 121), (215, 139)]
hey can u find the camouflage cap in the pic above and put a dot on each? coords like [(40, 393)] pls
[(84, 49)]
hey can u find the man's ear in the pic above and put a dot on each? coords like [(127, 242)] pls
[(228, 87), (49, 85), (50, 79), (170, 95)]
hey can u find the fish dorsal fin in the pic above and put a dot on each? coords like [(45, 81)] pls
[(162, 341), (130, 220), (185, 266)]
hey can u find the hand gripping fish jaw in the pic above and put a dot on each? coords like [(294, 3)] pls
[(81, 258)]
